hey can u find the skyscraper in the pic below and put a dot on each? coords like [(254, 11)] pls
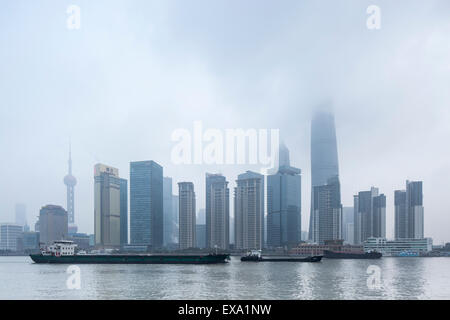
[(409, 212), (123, 211), (187, 224), (175, 211), (369, 215), (249, 211), (327, 212), (401, 217), (170, 219), (284, 204), (70, 181), (107, 206), (146, 204), (348, 225), (217, 211), (53, 224), (324, 157)]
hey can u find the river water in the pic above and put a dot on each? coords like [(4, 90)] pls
[(389, 278)]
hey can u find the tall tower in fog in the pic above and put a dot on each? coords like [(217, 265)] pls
[(324, 158), (70, 181)]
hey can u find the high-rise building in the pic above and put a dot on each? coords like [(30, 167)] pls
[(70, 181), (21, 214), (284, 204), (347, 224), (409, 212), (170, 218), (327, 212), (369, 215), (200, 236), (53, 224), (10, 234), (249, 211), (324, 157), (175, 210), (107, 206), (401, 217), (123, 211), (146, 204), (217, 211), (379, 216), (187, 219)]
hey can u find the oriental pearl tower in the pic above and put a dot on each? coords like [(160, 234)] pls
[(70, 181)]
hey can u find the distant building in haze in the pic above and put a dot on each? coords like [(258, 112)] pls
[(175, 212), (146, 204), (347, 224), (324, 156), (409, 211), (187, 215), (70, 181), (217, 212), (369, 215), (10, 235), (284, 204), (249, 211), (107, 206), (21, 214), (123, 211), (30, 240), (170, 216), (53, 224), (200, 236)]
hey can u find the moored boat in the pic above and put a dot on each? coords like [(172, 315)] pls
[(350, 255), (256, 256)]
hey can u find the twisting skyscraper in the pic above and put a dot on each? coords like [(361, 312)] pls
[(324, 158), (70, 181)]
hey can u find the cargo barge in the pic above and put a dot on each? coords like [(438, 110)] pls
[(347, 255), (256, 256), (63, 252)]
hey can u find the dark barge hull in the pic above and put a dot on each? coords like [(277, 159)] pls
[(132, 259), (343, 255), (282, 259)]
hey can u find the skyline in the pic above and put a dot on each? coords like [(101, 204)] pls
[(156, 72)]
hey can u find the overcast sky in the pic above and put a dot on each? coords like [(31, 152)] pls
[(137, 70)]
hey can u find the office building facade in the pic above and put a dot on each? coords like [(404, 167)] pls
[(187, 215), (409, 211), (53, 224), (327, 212), (369, 215), (249, 211), (146, 204), (107, 206), (217, 212), (284, 207)]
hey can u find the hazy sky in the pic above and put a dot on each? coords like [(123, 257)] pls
[(137, 70)]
